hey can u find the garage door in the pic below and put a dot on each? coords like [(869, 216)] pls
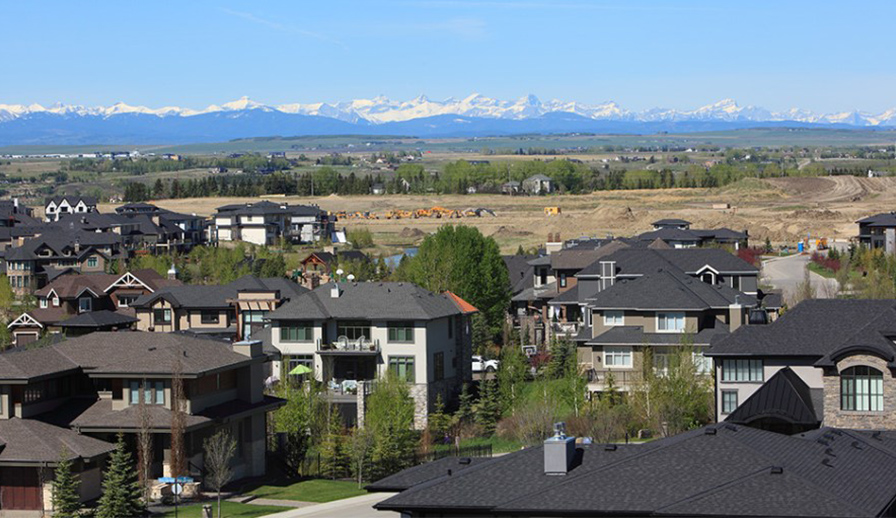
[(20, 489), (25, 338)]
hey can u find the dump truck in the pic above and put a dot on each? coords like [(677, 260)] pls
[(551, 211)]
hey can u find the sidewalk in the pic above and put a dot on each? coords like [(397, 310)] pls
[(356, 507)]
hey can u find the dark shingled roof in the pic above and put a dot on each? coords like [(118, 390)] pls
[(638, 261), (719, 470), (98, 319), (884, 219), (670, 221), (666, 289), (578, 258), (424, 473), (33, 441), (218, 297), (784, 396), (519, 271), (635, 335), (816, 328), (101, 416), (368, 300)]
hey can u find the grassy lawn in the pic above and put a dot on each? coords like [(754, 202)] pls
[(315, 490), (498, 445), (821, 270), (228, 509)]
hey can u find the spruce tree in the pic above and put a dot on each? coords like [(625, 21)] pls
[(121, 490), (488, 408), (66, 498)]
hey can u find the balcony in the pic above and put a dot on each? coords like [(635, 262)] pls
[(344, 346), (567, 329)]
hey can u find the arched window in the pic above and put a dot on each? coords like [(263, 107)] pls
[(862, 389)]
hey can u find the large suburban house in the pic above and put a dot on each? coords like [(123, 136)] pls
[(879, 231), (235, 310), (265, 223), (59, 206), (70, 296), (679, 234), (40, 259), (842, 350), (539, 184), (349, 334), (718, 470), (75, 396)]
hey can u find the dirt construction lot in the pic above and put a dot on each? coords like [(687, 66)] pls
[(783, 209)]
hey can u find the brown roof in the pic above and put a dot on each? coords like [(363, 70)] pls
[(33, 363), (576, 259), (100, 415), (70, 286), (32, 441)]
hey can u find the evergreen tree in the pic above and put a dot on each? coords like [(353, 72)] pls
[(390, 418), (121, 490), (488, 408), (464, 413), (512, 374), (66, 497), (334, 451)]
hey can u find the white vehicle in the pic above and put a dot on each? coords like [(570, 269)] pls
[(480, 364)]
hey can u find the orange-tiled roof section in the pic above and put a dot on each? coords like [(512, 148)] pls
[(464, 306)]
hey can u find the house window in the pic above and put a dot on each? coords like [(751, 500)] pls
[(353, 329), (729, 401), (562, 280), (617, 357), (735, 282), (92, 262), (209, 317), (703, 364), (401, 332), (670, 322), (403, 366), (125, 301), (161, 316), (438, 366), (56, 302), (614, 318), (862, 389), (153, 392), (661, 362), (294, 361), (34, 393), (742, 370), (296, 332), (43, 302), (708, 278), (85, 304)]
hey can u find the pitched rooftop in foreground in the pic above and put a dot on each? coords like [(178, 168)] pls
[(719, 470)]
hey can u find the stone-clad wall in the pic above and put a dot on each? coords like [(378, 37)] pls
[(835, 417)]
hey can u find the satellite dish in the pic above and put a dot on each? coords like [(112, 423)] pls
[(351, 277), (339, 271)]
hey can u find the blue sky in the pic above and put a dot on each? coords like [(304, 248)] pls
[(823, 56)]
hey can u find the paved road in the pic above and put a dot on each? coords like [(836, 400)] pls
[(786, 273), (357, 507)]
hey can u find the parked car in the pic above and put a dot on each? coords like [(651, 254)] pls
[(480, 364)]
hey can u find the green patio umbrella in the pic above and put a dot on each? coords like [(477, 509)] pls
[(299, 370)]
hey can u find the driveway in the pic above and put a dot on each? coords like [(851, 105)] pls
[(786, 273), (357, 507)]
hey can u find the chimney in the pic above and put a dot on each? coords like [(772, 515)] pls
[(334, 291), (735, 314), (550, 237), (15, 204), (607, 274), (172, 273), (77, 246), (559, 452), (250, 348)]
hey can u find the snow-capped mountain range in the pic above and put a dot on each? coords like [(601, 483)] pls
[(473, 115)]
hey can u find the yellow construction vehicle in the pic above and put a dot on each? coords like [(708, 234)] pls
[(552, 211), (821, 243)]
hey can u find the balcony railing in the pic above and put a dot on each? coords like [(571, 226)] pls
[(566, 328), (343, 344)]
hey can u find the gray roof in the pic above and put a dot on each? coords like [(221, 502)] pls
[(33, 441), (100, 415), (635, 335), (570, 296), (267, 207), (98, 319), (719, 470), (519, 271), (638, 261), (784, 397), (578, 258), (416, 475), (816, 328), (884, 219), (368, 300), (670, 290), (670, 221), (217, 297)]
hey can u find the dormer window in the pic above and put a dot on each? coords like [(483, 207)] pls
[(56, 302), (708, 278), (85, 304)]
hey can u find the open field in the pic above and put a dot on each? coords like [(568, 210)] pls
[(783, 209)]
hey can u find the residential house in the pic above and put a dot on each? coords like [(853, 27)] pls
[(70, 296), (679, 234), (38, 260), (265, 223), (144, 231), (318, 267), (59, 206), (717, 470), (349, 334), (234, 310), (75, 396), (843, 350), (879, 231), (539, 184)]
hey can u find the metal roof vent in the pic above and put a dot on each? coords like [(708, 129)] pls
[(777, 470), (559, 451)]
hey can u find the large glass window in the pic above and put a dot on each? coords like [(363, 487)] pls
[(161, 316), (125, 301), (296, 332), (703, 364), (661, 361), (670, 322), (353, 329), (614, 318), (401, 331), (862, 389), (153, 392), (742, 370), (92, 262), (617, 357), (209, 317), (729, 401), (303, 359), (403, 366)]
